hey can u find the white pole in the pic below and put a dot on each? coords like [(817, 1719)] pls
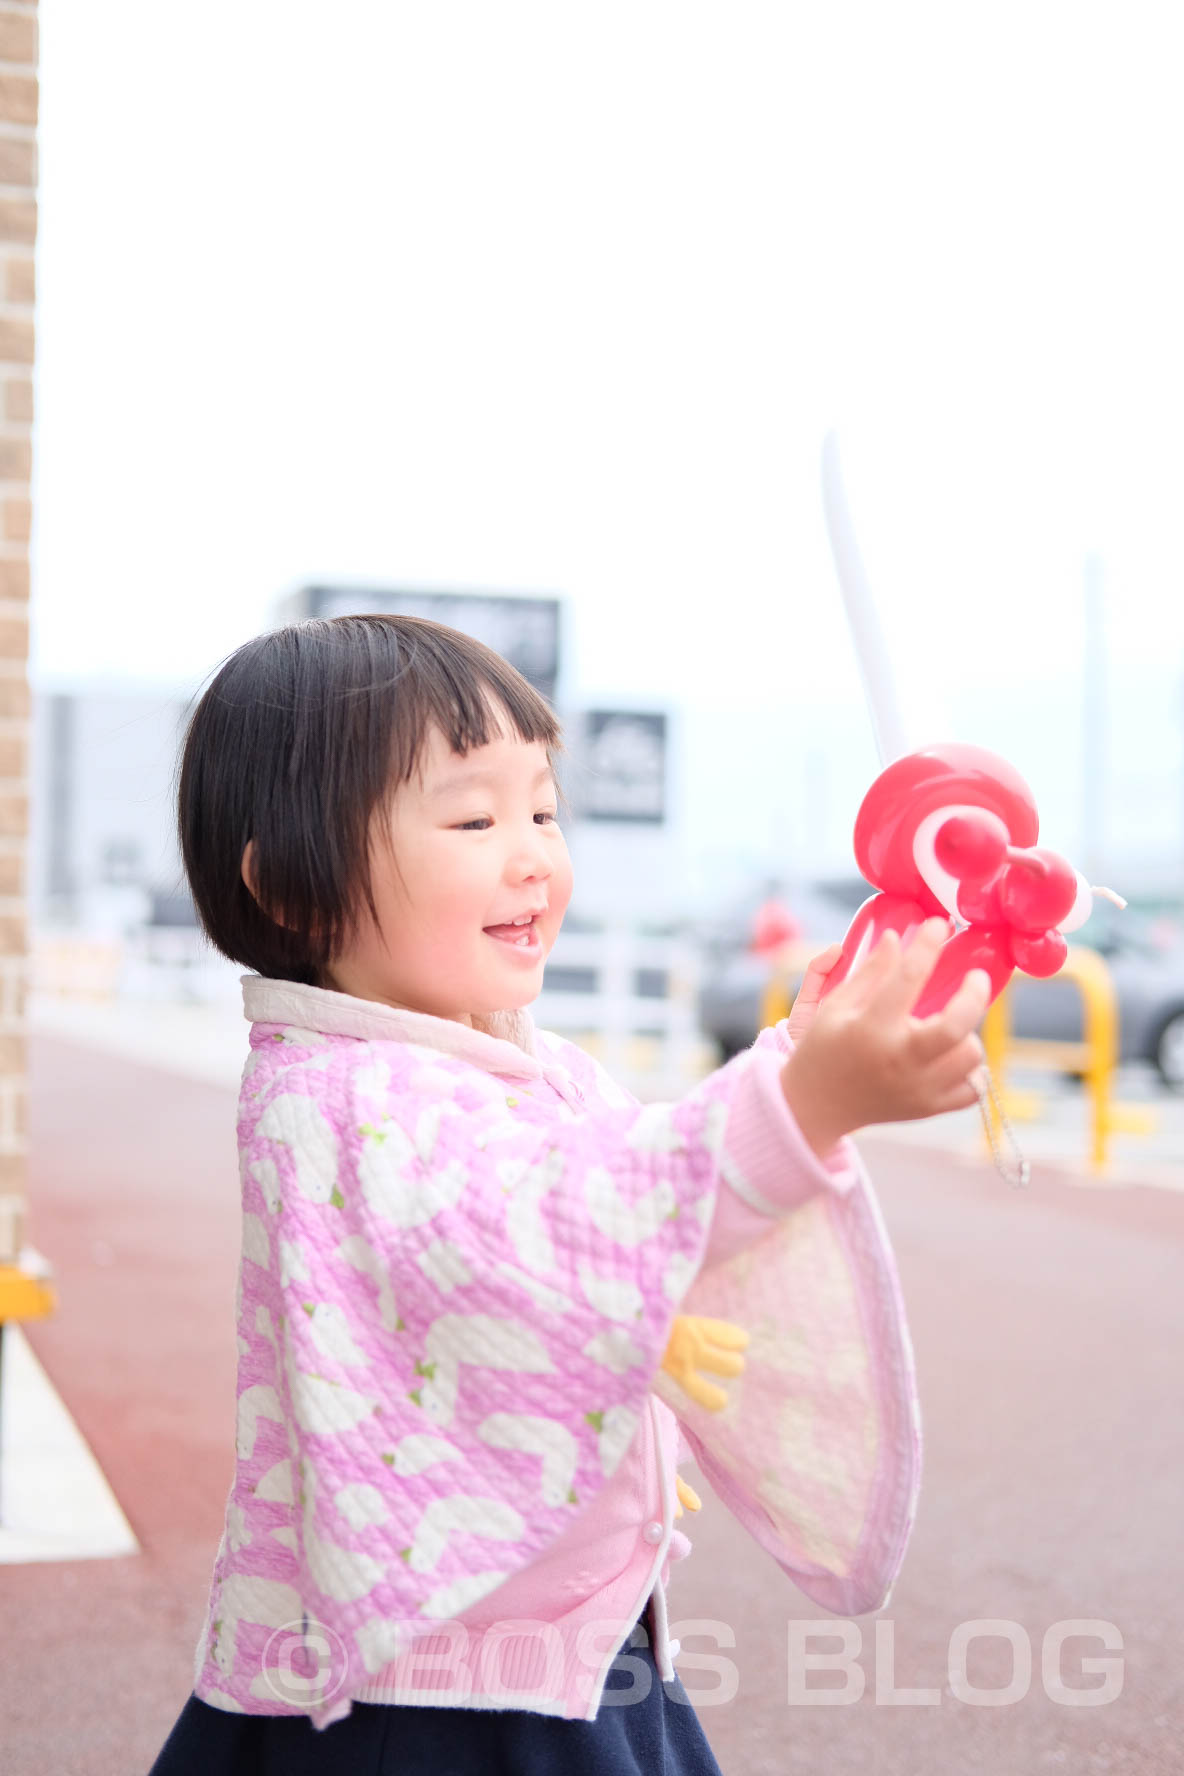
[(874, 665), (1181, 894), (1094, 738)]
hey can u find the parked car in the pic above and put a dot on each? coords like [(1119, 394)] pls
[(1148, 982)]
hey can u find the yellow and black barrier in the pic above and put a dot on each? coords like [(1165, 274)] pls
[(26, 1293), (1094, 1058)]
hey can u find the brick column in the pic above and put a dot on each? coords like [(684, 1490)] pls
[(18, 233)]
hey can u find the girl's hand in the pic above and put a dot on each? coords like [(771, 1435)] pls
[(810, 992), (866, 1059)]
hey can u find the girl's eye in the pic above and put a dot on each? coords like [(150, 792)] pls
[(480, 824)]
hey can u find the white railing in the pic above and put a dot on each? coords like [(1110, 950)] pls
[(75, 965), (151, 962), (648, 1040)]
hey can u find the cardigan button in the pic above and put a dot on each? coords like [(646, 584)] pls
[(653, 1533)]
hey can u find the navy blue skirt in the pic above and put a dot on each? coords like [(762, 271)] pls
[(657, 1733)]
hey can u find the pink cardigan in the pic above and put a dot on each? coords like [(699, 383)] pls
[(463, 1252)]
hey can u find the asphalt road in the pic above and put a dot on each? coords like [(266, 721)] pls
[(1049, 1333)]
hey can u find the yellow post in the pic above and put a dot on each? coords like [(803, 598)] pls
[(775, 1001), (24, 1294), (1095, 1058), (996, 1033), (1100, 1028)]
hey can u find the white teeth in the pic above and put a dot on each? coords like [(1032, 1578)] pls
[(527, 940)]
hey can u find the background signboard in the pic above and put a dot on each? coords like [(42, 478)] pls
[(524, 631), (623, 767)]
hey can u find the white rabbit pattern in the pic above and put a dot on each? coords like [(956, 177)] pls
[(397, 1179)]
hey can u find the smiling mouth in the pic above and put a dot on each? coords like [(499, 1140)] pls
[(516, 937)]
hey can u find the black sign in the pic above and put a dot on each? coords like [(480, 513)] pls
[(624, 766), (525, 631)]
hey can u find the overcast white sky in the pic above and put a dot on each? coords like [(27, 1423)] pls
[(563, 299)]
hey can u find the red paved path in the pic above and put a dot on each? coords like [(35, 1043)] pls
[(1049, 1329)]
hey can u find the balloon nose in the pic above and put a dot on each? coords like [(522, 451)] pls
[(1031, 859)]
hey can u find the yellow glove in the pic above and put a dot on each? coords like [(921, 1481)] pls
[(697, 1343)]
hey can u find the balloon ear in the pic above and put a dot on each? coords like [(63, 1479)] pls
[(1082, 906)]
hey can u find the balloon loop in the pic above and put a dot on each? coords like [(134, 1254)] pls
[(984, 1084)]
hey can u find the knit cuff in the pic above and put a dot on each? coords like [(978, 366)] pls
[(766, 1158)]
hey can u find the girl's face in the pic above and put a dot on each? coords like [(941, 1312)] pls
[(478, 847)]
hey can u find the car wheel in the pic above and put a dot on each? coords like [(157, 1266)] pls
[(1168, 1051)]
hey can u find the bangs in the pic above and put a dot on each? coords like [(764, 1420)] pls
[(472, 701)]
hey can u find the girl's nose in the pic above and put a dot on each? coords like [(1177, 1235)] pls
[(534, 859)]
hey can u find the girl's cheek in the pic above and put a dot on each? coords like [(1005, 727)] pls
[(561, 883)]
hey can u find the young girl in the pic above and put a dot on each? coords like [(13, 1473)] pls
[(480, 1283)]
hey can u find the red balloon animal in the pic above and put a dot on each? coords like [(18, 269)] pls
[(951, 831)]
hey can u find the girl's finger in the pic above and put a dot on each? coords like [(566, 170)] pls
[(952, 1069), (859, 988), (963, 1012), (960, 1097), (815, 977), (897, 995), (825, 960), (812, 983)]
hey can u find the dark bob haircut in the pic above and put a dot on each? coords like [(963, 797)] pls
[(298, 741)]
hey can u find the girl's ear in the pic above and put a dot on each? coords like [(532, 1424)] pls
[(248, 874), (247, 870)]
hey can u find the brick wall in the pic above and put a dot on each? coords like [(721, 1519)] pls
[(18, 233)]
